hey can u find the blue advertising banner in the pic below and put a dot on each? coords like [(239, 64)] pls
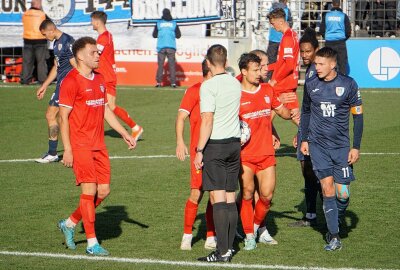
[(187, 12), (375, 63), (66, 12)]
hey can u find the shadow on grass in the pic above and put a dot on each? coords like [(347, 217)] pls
[(113, 134), (108, 223)]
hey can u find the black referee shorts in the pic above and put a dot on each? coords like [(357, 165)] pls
[(221, 165)]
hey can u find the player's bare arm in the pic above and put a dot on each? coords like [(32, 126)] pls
[(276, 140), (64, 126), (287, 97), (283, 112), (50, 78), (181, 148), (111, 119), (207, 120)]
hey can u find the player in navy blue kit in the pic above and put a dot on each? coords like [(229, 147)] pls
[(63, 63), (327, 102), (308, 49)]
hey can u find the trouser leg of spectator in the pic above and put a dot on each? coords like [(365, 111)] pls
[(379, 19), (28, 62), (341, 49), (41, 53), (171, 65), (390, 8), (160, 59), (272, 54)]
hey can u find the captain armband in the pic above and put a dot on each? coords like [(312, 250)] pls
[(356, 110)]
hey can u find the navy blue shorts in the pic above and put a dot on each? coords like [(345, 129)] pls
[(331, 162), (55, 96)]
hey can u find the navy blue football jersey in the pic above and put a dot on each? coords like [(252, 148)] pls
[(311, 71), (63, 53), (327, 106)]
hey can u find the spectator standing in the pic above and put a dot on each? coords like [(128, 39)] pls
[(336, 29), (35, 44), (385, 18), (166, 31)]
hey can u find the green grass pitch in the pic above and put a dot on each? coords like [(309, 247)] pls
[(143, 216)]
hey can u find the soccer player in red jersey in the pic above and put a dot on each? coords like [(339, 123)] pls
[(83, 108), (106, 68), (190, 107), (258, 154), (286, 68)]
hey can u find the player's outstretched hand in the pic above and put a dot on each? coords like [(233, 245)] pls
[(276, 142), (130, 141), (181, 151), (295, 141), (295, 115), (40, 92), (304, 148), (68, 158), (287, 97), (354, 155), (198, 161)]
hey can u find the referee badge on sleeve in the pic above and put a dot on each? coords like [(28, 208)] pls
[(339, 91)]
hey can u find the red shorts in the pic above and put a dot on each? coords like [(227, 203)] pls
[(195, 175), (258, 163), (91, 166), (111, 88)]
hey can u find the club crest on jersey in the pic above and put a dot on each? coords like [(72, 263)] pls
[(267, 99), (59, 46), (339, 91), (310, 74), (102, 88)]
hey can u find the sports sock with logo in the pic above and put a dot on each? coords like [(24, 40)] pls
[(331, 214), (233, 220), (190, 216), (88, 214), (261, 210), (221, 223), (247, 216), (124, 116), (53, 147), (210, 220), (76, 216)]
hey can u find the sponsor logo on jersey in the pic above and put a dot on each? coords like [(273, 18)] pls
[(339, 91), (267, 99), (328, 109), (257, 114), (287, 50), (315, 90), (95, 102)]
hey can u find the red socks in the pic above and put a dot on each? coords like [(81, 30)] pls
[(247, 216), (86, 204), (76, 216), (190, 216), (262, 208), (210, 220), (124, 116)]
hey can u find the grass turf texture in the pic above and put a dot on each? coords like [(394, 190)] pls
[(143, 217)]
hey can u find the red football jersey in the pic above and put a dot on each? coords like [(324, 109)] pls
[(287, 74), (255, 110), (191, 104), (105, 45), (87, 99)]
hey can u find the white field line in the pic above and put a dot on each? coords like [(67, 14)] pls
[(147, 88), (173, 156), (165, 262)]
